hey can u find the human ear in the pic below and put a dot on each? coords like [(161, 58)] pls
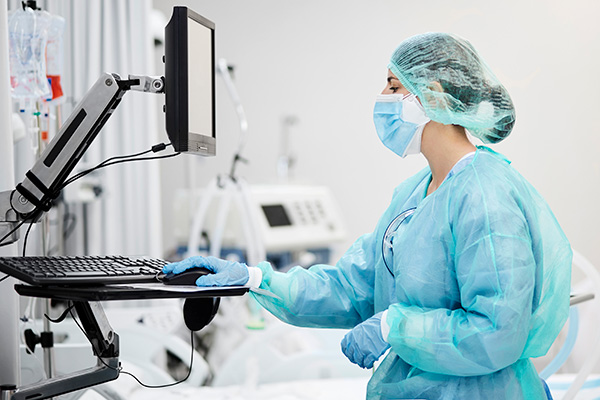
[(435, 86), (435, 97)]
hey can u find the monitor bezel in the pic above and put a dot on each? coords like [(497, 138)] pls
[(176, 85)]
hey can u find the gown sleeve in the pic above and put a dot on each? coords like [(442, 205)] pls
[(324, 296)]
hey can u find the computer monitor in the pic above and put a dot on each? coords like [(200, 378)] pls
[(190, 115), (190, 82)]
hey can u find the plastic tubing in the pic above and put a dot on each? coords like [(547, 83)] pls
[(222, 216), (223, 69), (199, 218), (594, 355), (566, 349), (253, 235)]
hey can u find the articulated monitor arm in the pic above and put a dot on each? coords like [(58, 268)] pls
[(44, 181), (105, 344)]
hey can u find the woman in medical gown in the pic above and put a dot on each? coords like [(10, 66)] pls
[(466, 275)]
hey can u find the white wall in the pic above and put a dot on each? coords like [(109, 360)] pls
[(324, 62)]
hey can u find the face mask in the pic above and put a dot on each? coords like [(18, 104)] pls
[(399, 121)]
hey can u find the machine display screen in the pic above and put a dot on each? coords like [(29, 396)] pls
[(276, 215)]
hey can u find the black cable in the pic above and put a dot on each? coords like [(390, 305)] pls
[(141, 153), (87, 171), (62, 316), (106, 164), (120, 369), (70, 227), (121, 159), (7, 235), (69, 221), (110, 161), (26, 236), (70, 309), (11, 232), (167, 384), (137, 159), (69, 224)]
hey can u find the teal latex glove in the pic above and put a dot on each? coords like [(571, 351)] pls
[(226, 273), (364, 344)]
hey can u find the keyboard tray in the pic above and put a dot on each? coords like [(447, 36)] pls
[(126, 292)]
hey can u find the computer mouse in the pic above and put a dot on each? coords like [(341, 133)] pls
[(187, 277)]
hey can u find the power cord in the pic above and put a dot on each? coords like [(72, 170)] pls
[(120, 369)]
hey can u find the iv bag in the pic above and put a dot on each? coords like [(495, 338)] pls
[(28, 35), (54, 55)]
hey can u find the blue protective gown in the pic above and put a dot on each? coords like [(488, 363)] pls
[(480, 283)]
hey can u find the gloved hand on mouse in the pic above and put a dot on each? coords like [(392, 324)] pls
[(226, 273), (363, 345)]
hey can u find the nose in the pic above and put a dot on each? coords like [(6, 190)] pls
[(387, 90)]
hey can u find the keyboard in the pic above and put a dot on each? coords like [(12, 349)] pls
[(82, 270)]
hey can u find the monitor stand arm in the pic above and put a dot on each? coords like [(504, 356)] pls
[(105, 344), (44, 181)]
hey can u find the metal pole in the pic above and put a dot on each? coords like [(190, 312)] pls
[(49, 363), (6, 391), (9, 309)]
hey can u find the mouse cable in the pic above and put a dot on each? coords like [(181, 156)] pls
[(120, 369), (62, 316)]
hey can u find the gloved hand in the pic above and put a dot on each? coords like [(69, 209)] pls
[(226, 273), (364, 344)]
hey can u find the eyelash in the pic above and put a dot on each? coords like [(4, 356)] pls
[(394, 89)]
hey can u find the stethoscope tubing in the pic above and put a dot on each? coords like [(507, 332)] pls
[(390, 230)]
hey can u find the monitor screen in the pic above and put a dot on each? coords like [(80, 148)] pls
[(190, 82)]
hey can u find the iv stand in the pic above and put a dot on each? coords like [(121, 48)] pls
[(34, 196)]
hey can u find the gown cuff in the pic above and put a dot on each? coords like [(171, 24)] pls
[(255, 277)]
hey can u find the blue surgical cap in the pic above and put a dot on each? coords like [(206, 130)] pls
[(454, 84)]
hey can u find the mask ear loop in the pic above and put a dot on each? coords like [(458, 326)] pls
[(388, 235), (393, 98)]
